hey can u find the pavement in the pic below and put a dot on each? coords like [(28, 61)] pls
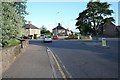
[(33, 63)]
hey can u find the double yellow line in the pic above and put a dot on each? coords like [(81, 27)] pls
[(59, 67)]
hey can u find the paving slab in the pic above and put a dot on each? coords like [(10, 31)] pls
[(33, 63)]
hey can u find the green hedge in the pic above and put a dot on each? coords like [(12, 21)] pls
[(72, 37), (13, 42), (76, 37), (85, 37)]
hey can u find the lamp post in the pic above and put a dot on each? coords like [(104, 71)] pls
[(56, 33)]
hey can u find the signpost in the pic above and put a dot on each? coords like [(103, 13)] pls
[(78, 36), (104, 42)]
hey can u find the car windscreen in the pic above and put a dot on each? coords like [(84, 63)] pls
[(47, 36)]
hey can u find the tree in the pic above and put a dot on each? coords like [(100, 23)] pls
[(97, 13), (13, 20), (48, 32), (83, 23), (43, 30)]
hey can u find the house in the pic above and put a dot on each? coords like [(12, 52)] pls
[(109, 30), (30, 29), (61, 31), (118, 30)]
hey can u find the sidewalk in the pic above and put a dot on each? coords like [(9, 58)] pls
[(33, 63)]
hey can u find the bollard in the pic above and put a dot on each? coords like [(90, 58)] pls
[(78, 37), (104, 42)]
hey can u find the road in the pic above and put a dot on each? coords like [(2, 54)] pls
[(85, 61)]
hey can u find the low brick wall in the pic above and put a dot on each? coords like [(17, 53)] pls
[(9, 54)]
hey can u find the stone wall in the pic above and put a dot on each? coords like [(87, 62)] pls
[(9, 54), (0, 63), (24, 43)]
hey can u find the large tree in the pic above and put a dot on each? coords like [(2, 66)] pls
[(83, 24), (13, 20), (97, 13), (44, 31)]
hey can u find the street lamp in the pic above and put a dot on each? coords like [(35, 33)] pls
[(58, 23), (56, 30)]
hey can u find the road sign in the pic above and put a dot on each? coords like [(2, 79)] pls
[(104, 42)]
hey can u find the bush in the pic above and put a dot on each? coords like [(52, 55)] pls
[(85, 37), (31, 36), (72, 37), (35, 36), (13, 42), (76, 37)]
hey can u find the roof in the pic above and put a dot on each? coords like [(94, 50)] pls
[(102, 25), (28, 26), (58, 27), (118, 28)]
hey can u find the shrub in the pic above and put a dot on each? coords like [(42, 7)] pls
[(31, 36), (85, 37), (72, 37), (35, 36), (13, 42)]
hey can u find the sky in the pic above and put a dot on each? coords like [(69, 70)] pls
[(51, 13), (119, 13)]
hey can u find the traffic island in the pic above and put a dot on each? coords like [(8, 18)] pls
[(98, 44)]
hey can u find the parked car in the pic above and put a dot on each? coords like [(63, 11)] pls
[(47, 39), (55, 37), (26, 37), (42, 36)]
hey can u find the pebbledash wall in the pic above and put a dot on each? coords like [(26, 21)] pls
[(9, 55)]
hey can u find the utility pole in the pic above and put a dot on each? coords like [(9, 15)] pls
[(58, 22), (119, 13)]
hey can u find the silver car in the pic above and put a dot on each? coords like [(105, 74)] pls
[(47, 39)]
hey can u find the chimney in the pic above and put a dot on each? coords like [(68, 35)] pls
[(29, 22), (59, 24)]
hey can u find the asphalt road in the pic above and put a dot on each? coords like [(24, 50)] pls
[(85, 61)]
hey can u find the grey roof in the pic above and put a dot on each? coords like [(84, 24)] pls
[(118, 28), (102, 25), (58, 27), (30, 26)]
